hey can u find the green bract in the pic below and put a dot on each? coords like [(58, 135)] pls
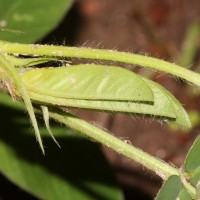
[(88, 82), (104, 88), (16, 85)]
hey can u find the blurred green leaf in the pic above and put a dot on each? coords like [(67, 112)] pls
[(195, 176), (194, 117), (77, 171), (192, 161), (184, 195), (171, 189), (28, 21), (198, 191), (190, 45)]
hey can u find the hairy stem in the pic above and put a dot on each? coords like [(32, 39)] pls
[(162, 169), (98, 54)]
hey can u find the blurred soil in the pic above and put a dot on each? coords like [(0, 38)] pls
[(151, 27)]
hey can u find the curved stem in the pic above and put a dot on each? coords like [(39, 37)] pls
[(161, 168), (98, 54), (164, 170)]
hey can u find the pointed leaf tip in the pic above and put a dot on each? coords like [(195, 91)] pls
[(45, 112)]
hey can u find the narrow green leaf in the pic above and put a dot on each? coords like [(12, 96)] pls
[(108, 106), (171, 189), (78, 171), (164, 105), (192, 161), (20, 88), (28, 62), (88, 82), (28, 21), (45, 113), (160, 107)]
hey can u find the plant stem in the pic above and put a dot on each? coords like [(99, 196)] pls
[(98, 54), (162, 169)]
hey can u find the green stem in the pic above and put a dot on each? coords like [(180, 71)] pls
[(162, 169), (98, 54)]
